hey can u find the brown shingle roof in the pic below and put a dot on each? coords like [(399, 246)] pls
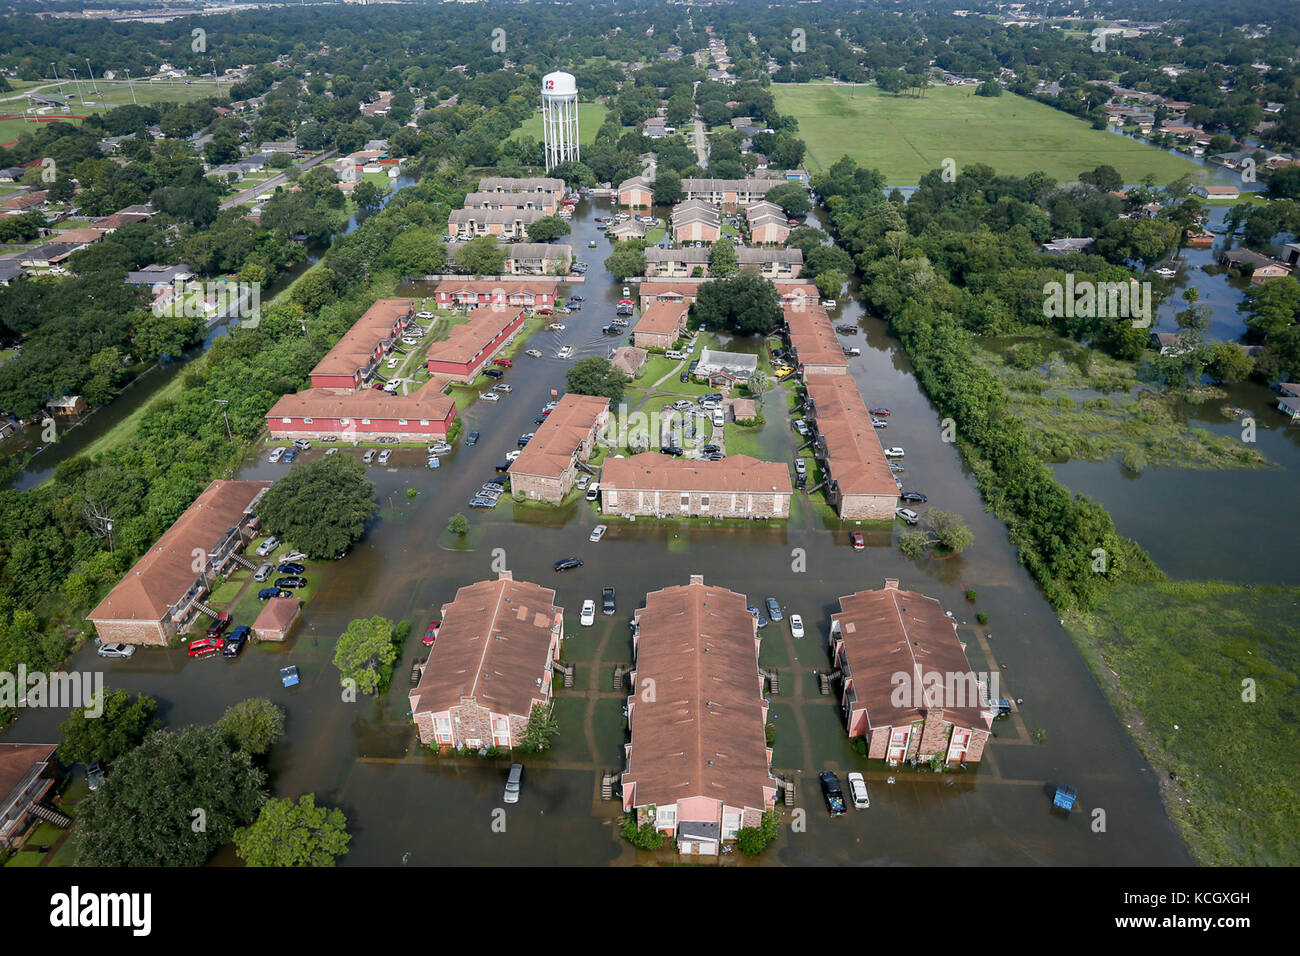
[(278, 614), (889, 632), (812, 336), (492, 647), (464, 342), (702, 735), (165, 573), (355, 348), (662, 318), (857, 462), (651, 471), (428, 403), (550, 451)]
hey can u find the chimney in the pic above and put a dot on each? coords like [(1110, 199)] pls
[(697, 579), (891, 584)]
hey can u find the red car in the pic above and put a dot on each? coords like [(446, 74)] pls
[(504, 363), (859, 542), (878, 411), (206, 646), (220, 624), (431, 633), (543, 310)]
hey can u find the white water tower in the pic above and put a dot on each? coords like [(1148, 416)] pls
[(560, 118)]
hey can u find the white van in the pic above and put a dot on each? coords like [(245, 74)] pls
[(675, 355), (593, 491), (718, 419)]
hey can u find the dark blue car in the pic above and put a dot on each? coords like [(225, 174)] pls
[(267, 593), (235, 642), (290, 567)]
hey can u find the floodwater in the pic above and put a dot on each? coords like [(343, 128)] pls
[(405, 807)]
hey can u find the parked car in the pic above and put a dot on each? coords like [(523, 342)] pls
[(597, 533), (607, 600), (490, 397), (263, 572), (369, 456), (796, 625), (493, 372), (567, 564), (440, 448), (858, 791), (276, 455), (95, 775), (384, 456), (298, 556), (879, 423), (800, 466), (289, 676), (205, 646), (879, 412), (588, 617), (503, 362), (291, 567), (117, 651), (858, 541), (801, 427), (675, 450), (394, 362), (759, 617), (514, 783), (342, 552), (709, 449), (431, 633), (331, 451), (433, 461), (894, 452), (525, 438), (908, 515), (235, 642), (913, 496), (267, 593), (302, 444), (290, 456), (220, 624), (832, 792), (503, 388), (472, 438), (682, 405), (593, 491), (293, 581), (482, 503), (534, 353)]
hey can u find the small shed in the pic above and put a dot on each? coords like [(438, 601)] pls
[(277, 618)]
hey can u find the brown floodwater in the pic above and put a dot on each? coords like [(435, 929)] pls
[(406, 807)]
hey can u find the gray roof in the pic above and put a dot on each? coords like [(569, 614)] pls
[(155, 274), (712, 360)]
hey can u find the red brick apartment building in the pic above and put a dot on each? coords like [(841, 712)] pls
[(352, 362), (366, 415), (658, 289), (469, 347), (478, 292), (697, 762), (738, 486), (813, 341), (547, 468), (660, 325), (160, 596), (878, 636), (859, 484), (27, 773), (490, 664)]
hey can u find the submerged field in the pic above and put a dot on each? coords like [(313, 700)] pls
[(907, 136), (1205, 675)]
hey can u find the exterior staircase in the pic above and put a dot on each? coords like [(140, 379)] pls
[(50, 815)]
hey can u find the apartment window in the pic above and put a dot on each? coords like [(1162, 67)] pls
[(686, 501), (424, 421), (704, 502), (401, 421), (306, 421), (365, 421), (666, 817), (443, 729)]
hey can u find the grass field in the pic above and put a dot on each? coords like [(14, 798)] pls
[(112, 93), (1205, 675), (590, 116), (906, 136)]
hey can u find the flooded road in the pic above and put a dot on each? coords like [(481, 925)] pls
[(405, 806)]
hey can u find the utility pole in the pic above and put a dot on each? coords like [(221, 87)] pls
[(223, 402)]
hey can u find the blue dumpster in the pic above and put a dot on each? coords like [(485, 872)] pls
[(289, 675), (1065, 797)]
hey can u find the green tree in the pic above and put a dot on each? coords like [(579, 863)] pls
[(627, 259), (367, 195), (321, 507), (548, 228), (645, 837), (252, 725), (667, 189), (314, 290), (1272, 306), (949, 530), (294, 833), (791, 197), (744, 304), (364, 651), (914, 544), (596, 376), (158, 335), (145, 815), (722, 259), (120, 726), (458, 524), (539, 730), (419, 252), (1228, 362), (480, 257)]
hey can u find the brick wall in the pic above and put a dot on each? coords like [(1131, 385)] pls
[(539, 488), (859, 507), (721, 504), (156, 633)]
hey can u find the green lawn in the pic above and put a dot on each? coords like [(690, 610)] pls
[(906, 136), (1205, 675), (590, 117)]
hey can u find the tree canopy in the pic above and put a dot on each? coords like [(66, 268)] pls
[(320, 507)]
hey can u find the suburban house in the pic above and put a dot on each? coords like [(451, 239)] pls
[(1261, 267), (631, 229), (858, 482), (49, 254), (366, 414), (1168, 343), (629, 360), (737, 366), (661, 325), (768, 224), (538, 258), (812, 340), (652, 290), (737, 486), (68, 406), (1289, 402), (276, 618), (547, 468), (159, 277), (28, 772), (908, 689), (636, 192), (507, 223), (355, 357), (1062, 247), (489, 666), (697, 763), (682, 262), (729, 192), (696, 221), (469, 346), (542, 201), (162, 594), (509, 184), (475, 292), (1217, 192)]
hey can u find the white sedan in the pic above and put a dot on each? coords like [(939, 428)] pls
[(588, 613), (894, 452), (512, 455), (490, 397), (597, 532), (796, 625), (858, 791)]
